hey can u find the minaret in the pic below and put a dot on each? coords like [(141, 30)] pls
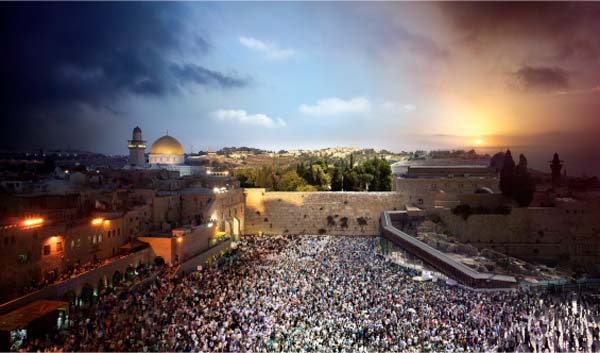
[(137, 147), (555, 166)]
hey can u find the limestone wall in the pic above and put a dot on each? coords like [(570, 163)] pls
[(547, 234), (352, 213)]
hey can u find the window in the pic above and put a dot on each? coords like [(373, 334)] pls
[(100, 238), (59, 246), (72, 244), (94, 239), (46, 249), (78, 243)]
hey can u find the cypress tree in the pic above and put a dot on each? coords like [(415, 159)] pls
[(524, 186), (507, 175)]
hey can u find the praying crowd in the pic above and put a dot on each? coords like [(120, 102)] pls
[(323, 293), (55, 277)]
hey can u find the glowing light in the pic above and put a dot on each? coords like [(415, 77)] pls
[(478, 142), (106, 222), (97, 221), (180, 239), (210, 224), (30, 222)]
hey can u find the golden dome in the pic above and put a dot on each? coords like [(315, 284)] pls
[(166, 145)]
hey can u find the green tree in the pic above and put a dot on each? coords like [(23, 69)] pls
[(320, 178), (247, 177), (290, 181), (336, 179), (365, 179), (377, 172), (351, 181), (307, 187)]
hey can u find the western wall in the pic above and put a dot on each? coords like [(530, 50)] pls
[(340, 213)]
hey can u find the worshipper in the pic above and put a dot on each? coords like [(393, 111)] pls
[(322, 293)]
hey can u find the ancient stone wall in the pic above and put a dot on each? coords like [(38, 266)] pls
[(548, 234), (352, 213)]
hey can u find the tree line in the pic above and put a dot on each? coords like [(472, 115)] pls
[(516, 181), (319, 175)]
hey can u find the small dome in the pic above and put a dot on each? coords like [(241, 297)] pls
[(167, 145), (484, 190), (137, 129)]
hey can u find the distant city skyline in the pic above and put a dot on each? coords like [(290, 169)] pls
[(399, 76)]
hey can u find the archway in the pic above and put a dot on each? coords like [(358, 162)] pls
[(116, 279), (87, 293), (101, 284), (129, 273), (70, 297), (159, 261)]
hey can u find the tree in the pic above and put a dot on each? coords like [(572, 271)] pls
[(507, 175), (351, 181), (365, 179), (290, 181), (307, 187), (247, 177), (319, 177), (524, 186), (377, 172), (336, 179)]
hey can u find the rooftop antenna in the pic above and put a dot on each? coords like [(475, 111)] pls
[(167, 132)]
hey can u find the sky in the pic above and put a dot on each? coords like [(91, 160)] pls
[(289, 75)]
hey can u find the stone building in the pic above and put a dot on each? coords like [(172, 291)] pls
[(43, 235), (425, 186)]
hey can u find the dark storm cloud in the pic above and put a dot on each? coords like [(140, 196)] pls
[(571, 26), (204, 76), (541, 79), (59, 57)]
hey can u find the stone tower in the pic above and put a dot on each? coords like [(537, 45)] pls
[(556, 165), (137, 148)]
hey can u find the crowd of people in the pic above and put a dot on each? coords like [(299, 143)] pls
[(323, 293), (54, 277)]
